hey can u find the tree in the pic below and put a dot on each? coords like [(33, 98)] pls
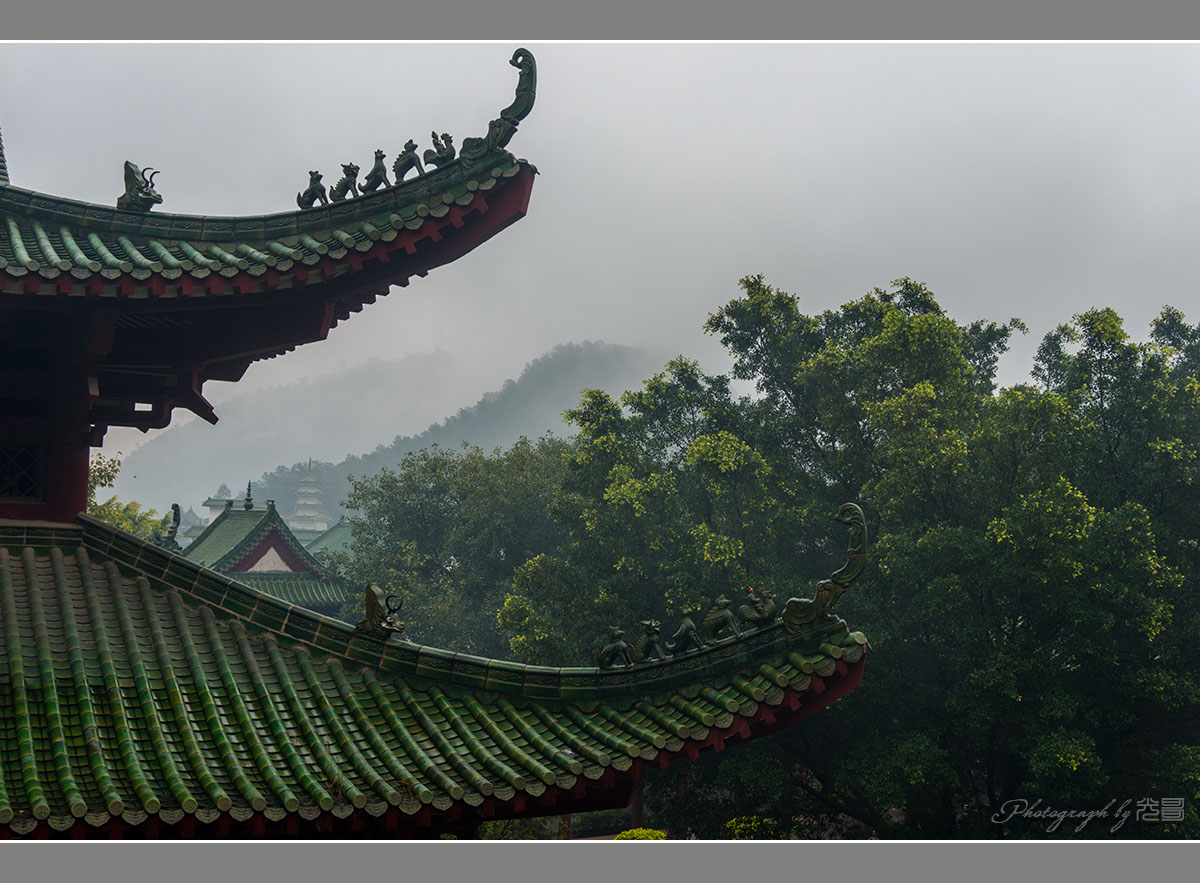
[(446, 530), (1031, 603), (131, 517), (1031, 595)]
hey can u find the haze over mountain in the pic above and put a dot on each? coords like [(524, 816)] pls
[(328, 418)]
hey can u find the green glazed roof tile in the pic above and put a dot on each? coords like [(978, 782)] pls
[(132, 693), (50, 235)]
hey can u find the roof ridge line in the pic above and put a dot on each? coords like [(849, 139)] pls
[(328, 636)]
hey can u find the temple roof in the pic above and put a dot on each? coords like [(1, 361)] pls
[(142, 686), (236, 531), (230, 541), (323, 594), (75, 242), (335, 539), (134, 309), (56, 238)]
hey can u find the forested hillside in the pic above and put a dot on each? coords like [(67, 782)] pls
[(327, 418), (531, 405), (1031, 585), (333, 419)]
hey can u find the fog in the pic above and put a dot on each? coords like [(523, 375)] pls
[(1033, 181)]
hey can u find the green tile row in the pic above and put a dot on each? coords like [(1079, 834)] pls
[(142, 684), (54, 235)]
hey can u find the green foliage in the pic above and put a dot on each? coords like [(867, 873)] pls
[(102, 473), (547, 828), (752, 828), (531, 404), (641, 834), (1027, 581), (446, 530), (145, 523), (1031, 595)]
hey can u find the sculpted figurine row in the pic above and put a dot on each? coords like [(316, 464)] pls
[(442, 153), (612, 649), (759, 611)]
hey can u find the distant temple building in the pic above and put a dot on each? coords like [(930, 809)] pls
[(336, 539), (255, 546), (309, 520), (191, 526)]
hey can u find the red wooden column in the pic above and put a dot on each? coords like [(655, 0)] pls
[(44, 448), (48, 383)]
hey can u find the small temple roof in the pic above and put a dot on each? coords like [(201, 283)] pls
[(335, 539), (236, 533), (147, 690), (323, 594)]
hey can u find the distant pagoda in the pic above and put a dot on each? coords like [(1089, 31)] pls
[(308, 519)]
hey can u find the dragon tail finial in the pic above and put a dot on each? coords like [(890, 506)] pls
[(3, 164), (800, 612), (501, 130)]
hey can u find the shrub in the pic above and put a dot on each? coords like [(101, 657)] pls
[(641, 834), (752, 828)]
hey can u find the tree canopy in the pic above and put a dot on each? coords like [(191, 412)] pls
[(131, 516), (1031, 595)]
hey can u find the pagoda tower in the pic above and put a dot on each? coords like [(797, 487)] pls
[(308, 519)]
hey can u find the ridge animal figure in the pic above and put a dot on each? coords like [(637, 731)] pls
[(686, 637), (615, 651), (381, 619), (407, 160), (799, 612), (315, 191), (377, 176), (649, 644), (719, 618), (761, 607), (139, 195), (348, 182), (169, 542), (442, 152)]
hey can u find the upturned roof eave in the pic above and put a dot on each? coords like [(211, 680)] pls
[(395, 656), (391, 729), (93, 217)]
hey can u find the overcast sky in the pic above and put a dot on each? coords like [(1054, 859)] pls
[(1015, 180)]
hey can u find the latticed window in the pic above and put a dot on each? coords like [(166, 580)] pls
[(20, 473)]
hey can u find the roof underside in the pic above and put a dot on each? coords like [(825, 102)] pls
[(133, 311), (138, 686)]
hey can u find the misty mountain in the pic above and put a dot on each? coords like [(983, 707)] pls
[(327, 418), (331, 417), (531, 406)]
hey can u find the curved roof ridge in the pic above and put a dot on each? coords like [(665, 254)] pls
[(230, 598), (3, 162), (222, 717), (430, 192), (20, 201)]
